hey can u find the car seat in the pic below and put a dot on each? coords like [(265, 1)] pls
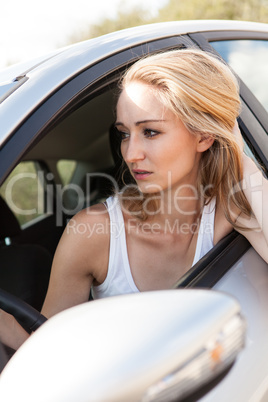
[(120, 172), (24, 268)]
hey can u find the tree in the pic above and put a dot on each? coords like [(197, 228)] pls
[(125, 19), (250, 10), (247, 10)]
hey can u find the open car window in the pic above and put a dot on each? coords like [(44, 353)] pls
[(249, 59), (24, 192)]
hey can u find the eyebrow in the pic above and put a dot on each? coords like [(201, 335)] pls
[(118, 123)]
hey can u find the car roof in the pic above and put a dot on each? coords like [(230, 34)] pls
[(24, 86), (130, 36)]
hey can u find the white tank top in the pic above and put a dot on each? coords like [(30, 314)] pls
[(119, 279)]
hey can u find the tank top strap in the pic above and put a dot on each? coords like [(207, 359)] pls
[(119, 279)]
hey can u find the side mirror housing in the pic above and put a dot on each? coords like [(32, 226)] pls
[(150, 346)]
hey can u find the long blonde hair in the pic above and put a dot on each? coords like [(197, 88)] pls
[(203, 92)]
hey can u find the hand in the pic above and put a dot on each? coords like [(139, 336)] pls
[(11, 333)]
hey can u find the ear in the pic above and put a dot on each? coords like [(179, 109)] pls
[(204, 142)]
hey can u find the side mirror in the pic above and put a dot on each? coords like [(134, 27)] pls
[(160, 345)]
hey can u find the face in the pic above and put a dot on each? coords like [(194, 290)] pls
[(158, 149)]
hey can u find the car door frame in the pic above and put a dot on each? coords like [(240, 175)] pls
[(68, 97), (73, 93), (252, 109), (94, 79), (218, 261)]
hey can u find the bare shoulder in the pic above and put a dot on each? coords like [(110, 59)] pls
[(81, 257), (85, 241), (89, 216)]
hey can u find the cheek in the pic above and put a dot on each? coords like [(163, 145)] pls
[(123, 149), (185, 144), (179, 153)]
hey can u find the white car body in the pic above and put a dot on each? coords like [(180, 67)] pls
[(48, 73), (246, 280)]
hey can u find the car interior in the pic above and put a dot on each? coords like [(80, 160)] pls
[(81, 144)]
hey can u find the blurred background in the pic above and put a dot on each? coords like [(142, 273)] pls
[(31, 28)]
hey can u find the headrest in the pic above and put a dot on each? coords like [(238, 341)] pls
[(115, 145), (9, 225), (115, 142)]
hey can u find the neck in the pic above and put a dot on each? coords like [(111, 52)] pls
[(181, 206)]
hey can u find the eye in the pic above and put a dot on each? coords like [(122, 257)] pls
[(122, 135), (150, 133)]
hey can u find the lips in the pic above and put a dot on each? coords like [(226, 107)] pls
[(140, 174)]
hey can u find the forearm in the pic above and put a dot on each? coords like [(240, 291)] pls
[(256, 191), (11, 333)]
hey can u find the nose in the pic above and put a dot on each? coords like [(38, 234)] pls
[(133, 149)]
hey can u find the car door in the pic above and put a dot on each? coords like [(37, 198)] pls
[(245, 277)]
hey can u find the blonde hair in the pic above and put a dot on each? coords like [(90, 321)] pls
[(204, 94)]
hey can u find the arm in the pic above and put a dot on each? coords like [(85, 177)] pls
[(255, 187), (256, 191), (11, 333), (82, 256)]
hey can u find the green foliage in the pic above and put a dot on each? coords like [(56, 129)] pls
[(24, 193), (24, 189), (125, 19), (247, 10), (66, 170)]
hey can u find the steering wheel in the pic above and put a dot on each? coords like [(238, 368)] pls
[(29, 317)]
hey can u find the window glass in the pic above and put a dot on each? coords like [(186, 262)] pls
[(23, 191), (66, 170), (249, 59)]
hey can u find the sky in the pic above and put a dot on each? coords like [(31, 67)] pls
[(30, 28)]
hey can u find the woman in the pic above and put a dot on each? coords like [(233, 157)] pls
[(176, 117)]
